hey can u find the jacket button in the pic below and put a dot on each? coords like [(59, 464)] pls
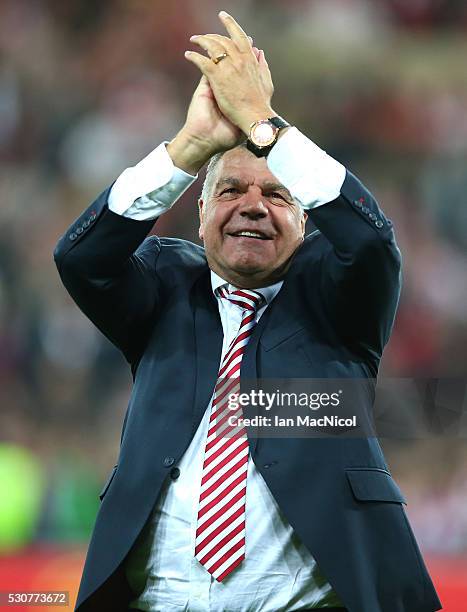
[(266, 466), (73, 236), (168, 461), (87, 223), (379, 224), (79, 230), (372, 216), (92, 217), (358, 203), (365, 209), (174, 473)]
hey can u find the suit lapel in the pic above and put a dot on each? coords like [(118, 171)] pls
[(284, 318), (208, 340), (277, 323)]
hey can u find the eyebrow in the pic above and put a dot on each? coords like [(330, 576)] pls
[(266, 186)]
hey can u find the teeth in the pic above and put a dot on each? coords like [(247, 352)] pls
[(250, 234)]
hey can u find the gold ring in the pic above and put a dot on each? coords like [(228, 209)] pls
[(220, 57)]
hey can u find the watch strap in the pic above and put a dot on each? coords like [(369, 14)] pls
[(279, 122)]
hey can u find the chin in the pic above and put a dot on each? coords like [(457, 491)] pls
[(247, 265)]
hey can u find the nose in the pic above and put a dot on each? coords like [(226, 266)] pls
[(253, 206)]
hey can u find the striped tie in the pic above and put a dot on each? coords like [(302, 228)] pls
[(220, 532)]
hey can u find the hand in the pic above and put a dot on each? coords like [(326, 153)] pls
[(206, 124), (241, 83), (206, 130)]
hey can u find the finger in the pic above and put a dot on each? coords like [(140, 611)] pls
[(265, 69), (212, 47), (262, 58), (236, 33), (257, 52), (201, 61), (263, 62), (224, 41)]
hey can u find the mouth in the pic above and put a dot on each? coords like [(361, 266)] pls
[(255, 234)]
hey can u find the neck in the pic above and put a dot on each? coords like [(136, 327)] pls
[(253, 280)]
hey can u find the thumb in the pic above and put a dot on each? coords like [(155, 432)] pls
[(204, 81), (203, 84), (203, 88)]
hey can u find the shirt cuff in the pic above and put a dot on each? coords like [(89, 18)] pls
[(311, 175), (150, 188)]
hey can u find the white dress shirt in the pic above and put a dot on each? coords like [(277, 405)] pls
[(151, 187), (278, 572)]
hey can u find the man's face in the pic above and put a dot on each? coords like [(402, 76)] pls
[(250, 226)]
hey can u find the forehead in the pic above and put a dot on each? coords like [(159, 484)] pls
[(245, 166)]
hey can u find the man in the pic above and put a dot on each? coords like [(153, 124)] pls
[(199, 514)]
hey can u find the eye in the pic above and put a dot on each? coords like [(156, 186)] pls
[(276, 194), (230, 190)]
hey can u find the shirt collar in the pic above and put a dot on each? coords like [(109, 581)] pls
[(269, 293)]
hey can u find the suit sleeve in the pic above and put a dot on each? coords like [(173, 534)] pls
[(359, 270), (109, 268), (360, 274)]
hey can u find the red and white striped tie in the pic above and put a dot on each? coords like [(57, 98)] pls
[(220, 532)]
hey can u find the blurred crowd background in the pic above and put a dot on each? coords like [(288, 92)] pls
[(89, 88)]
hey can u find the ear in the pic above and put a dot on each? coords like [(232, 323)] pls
[(303, 222), (201, 218)]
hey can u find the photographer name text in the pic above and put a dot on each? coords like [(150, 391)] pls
[(297, 421)]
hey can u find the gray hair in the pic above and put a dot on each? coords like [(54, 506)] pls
[(209, 178)]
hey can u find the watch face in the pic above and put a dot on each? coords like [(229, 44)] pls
[(263, 134)]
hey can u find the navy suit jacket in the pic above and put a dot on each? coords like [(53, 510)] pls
[(152, 298)]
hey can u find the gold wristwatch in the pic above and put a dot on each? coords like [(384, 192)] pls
[(263, 135)]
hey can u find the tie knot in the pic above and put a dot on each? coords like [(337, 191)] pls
[(247, 299)]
